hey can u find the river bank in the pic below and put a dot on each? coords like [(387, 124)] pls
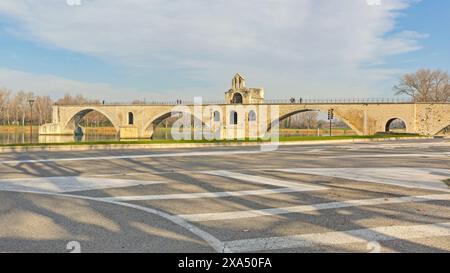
[(154, 144)]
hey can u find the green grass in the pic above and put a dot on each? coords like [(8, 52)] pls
[(447, 182), (311, 138), (282, 139)]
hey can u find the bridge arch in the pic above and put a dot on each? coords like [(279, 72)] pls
[(389, 123), (444, 130), (149, 128), (72, 123), (292, 113)]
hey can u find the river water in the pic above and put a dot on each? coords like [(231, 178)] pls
[(21, 137)]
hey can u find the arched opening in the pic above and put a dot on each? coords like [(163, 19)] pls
[(216, 116), (130, 118), (161, 127), (396, 126), (252, 116), (445, 131), (233, 117), (237, 98), (311, 122), (92, 125)]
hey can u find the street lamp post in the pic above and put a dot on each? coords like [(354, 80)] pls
[(31, 102)]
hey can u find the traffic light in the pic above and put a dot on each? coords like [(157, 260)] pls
[(330, 114), (330, 117)]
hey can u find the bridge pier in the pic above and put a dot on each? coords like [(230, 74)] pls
[(134, 132), (54, 129), (125, 132)]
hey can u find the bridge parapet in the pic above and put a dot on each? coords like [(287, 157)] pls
[(271, 101)]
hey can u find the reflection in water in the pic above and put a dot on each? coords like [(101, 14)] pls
[(159, 134), (22, 137), (12, 138), (75, 138)]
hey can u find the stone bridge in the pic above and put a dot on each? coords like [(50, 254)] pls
[(244, 107)]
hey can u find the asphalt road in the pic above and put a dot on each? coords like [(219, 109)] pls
[(361, 197)]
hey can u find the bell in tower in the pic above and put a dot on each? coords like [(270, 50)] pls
[(239, 93), (238, 82)]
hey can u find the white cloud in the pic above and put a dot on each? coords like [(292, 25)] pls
[(291, 47), (57, 87)]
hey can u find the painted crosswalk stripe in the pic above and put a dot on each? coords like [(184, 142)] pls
[(310, 208), (215, 243), (417, 178), (65, 184), (203, 195), (265, 180), (160, 155), (287, 187), (443, 155), (379, 234)]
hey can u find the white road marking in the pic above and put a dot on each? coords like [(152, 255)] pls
[(300, 152), (187, 154), (212, 241), (443, 155), (69, 183), (395, 145), (377, 234), (308, 208), (315, 150), (288, 187), (265, 180), (418, 178), (204, 194)]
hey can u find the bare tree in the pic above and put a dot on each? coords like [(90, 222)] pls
[(310, 119), (425, 85), (301, 120), (44, 109), (338, 123), (137, 102), (4, 106)]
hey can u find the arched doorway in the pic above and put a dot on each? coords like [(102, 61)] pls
[(252, 116), (237, 98), (130, 118), (233, 118), (395, 125), (216, 116)]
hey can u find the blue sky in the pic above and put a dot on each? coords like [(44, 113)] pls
[(428, 17), (160, 50)]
